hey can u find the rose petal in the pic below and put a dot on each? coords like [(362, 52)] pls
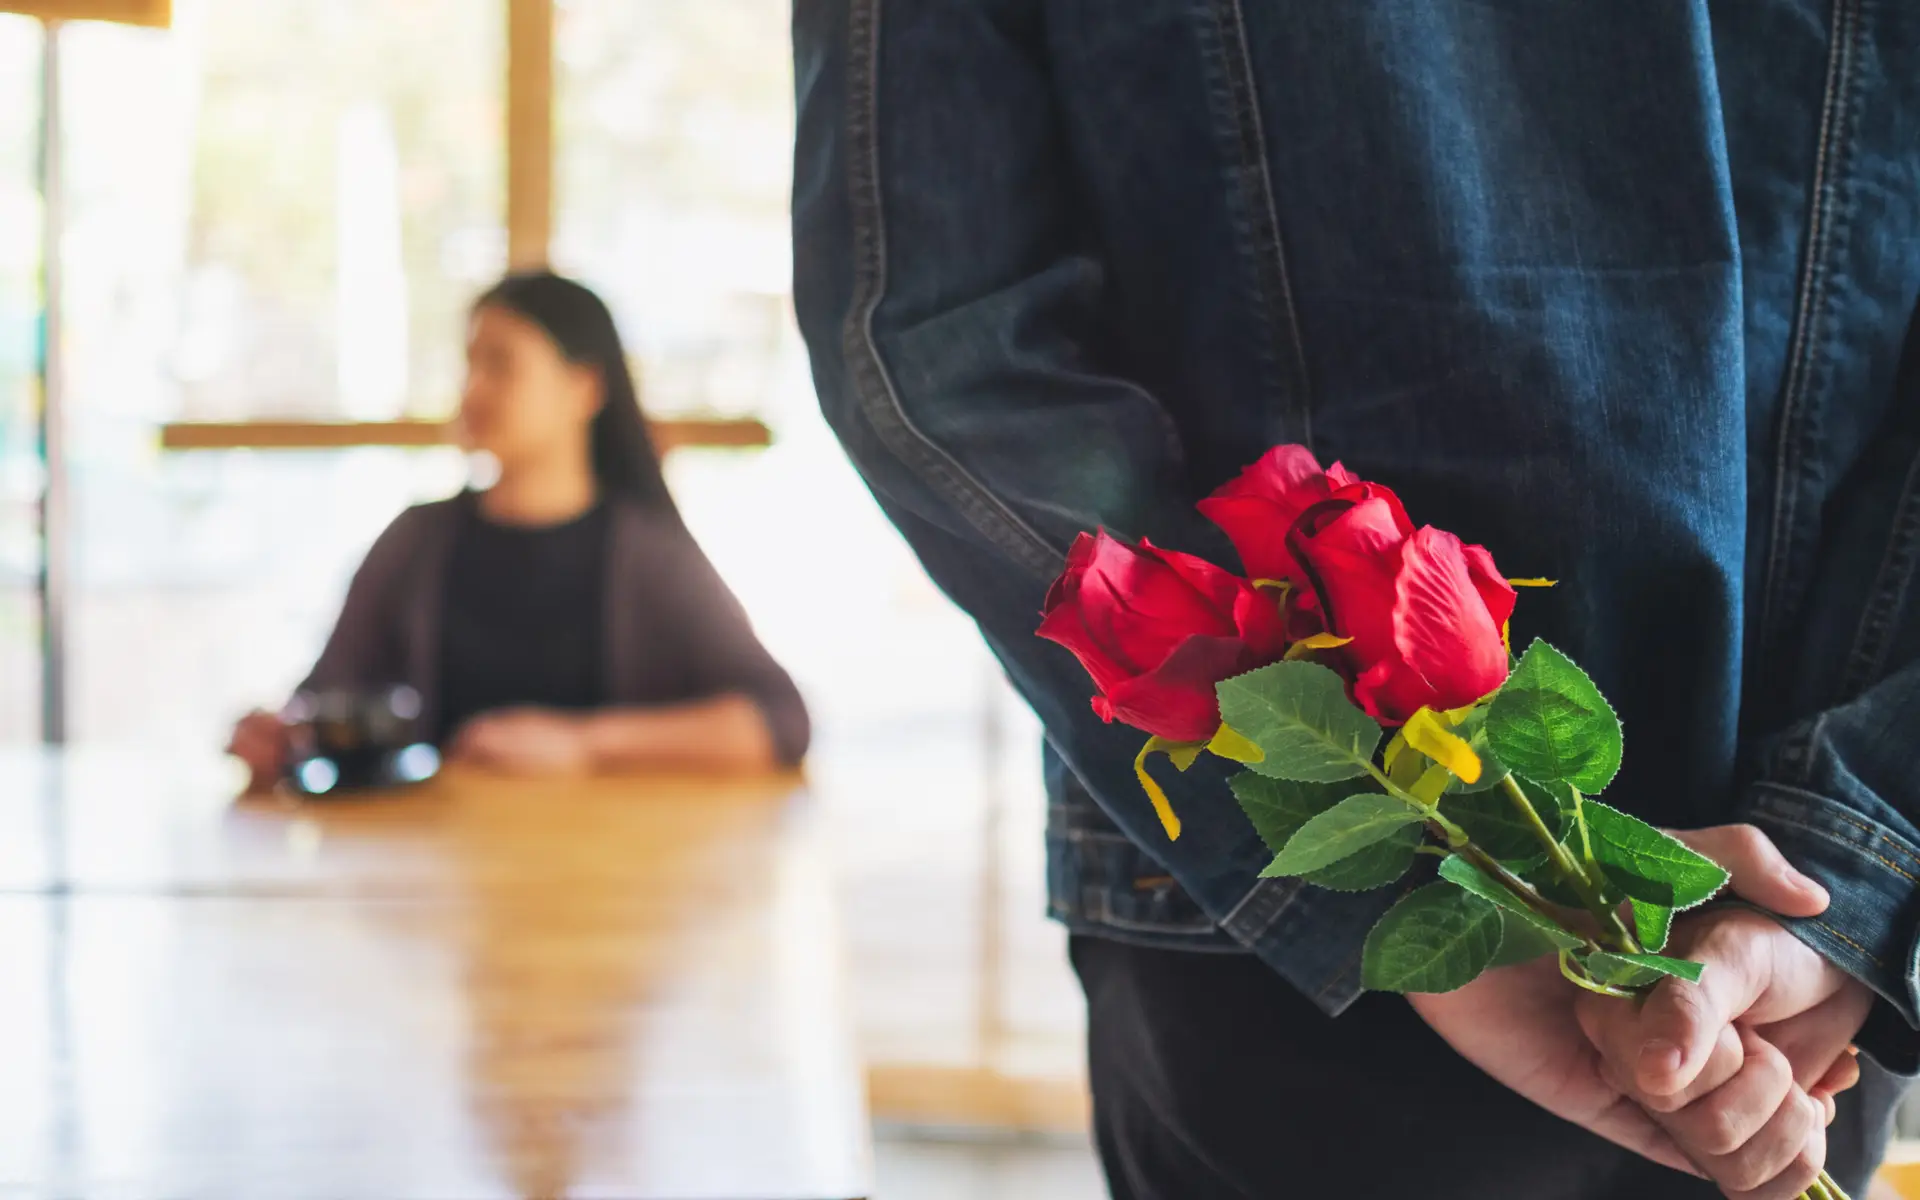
[(1278, 474), (1262, 626), (1162, 591), (1360, 491), (1492, 586), (1258, 506), (1257, 527), (1066, 624), (1354, 558), (1217, 588), (1391, 691), (1441, 625), (1177, 700)]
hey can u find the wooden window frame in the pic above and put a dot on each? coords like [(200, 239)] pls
[(157, 13), (529, 219)]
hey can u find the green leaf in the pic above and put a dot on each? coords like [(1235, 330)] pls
[(1647, 864), (1638, 970), (1520, 942), (1348, 827), (1652, 923), (1457, 870), (1525, 867), (1374, 867), (1551, 724), (1279, 807), (1299, 715), (1545, 878), (1436, 939), (1497, 827), (1615, 971)]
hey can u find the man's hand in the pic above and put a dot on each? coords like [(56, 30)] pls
[(1749, 1115), (1518, 1025), (524, 741), (1522, 1025)]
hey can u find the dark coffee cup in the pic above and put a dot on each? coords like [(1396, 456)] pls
[(352, 739)]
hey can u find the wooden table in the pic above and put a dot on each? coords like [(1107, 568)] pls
[(482, 988)]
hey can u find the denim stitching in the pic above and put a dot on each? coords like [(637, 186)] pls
[(872, 383), (1874, 641), (1872, 832), (1868, 849), (1257, 220), (1870, 956), (1823, 218), (1247, 923)]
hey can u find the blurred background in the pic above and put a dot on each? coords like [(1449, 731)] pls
[(278, 211)]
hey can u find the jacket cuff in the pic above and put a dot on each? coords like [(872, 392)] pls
[(1871, 929)]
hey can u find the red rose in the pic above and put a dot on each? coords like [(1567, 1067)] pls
[(1426, 613), (1156, 630), (1258, 508)]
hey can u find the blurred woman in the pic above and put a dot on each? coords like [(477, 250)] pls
[(562, 620)]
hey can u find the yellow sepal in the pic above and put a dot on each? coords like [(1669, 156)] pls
[(1425, 733), (1431, 785), (1533, 583), (1395, 749), (1319, 641), (1228, 743), (1182, 754), (1404, 764)]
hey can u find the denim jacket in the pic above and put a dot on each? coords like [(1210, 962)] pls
[(1622, 289)]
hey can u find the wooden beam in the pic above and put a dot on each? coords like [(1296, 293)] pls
[(124, 12), (529, 132), (734, 432), (977, 1097)]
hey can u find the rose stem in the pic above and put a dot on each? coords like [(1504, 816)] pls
[(1609, 918)]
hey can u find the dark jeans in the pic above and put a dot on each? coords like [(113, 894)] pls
[(1215, 1080)]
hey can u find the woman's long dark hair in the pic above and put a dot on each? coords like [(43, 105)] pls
[(624, 461)]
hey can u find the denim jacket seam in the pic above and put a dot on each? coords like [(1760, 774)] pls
[(1865, 953), (1874, 838), (1873, 641), (873, 386), (1257, 217), (1247, 923), (1825, 220), (1100, 912)]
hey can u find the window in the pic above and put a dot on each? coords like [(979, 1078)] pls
[(274, 210), (674, 147)]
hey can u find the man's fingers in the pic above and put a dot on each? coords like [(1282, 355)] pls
[(1842, 1075), (1783, 1159), (1723, 1121), (1615, 1029), (1626, 1124), (1816, 1040), (1723, 1065), (1760, 874), (1680, 1022)]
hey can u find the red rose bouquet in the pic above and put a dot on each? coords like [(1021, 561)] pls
[(1353, 622)]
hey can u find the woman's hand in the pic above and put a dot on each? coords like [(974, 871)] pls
[(525, 741), (260, 741)]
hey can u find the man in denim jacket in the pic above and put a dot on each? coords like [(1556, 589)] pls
[(1623, 289)]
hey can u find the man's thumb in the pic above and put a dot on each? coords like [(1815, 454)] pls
[(1761, 875)]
